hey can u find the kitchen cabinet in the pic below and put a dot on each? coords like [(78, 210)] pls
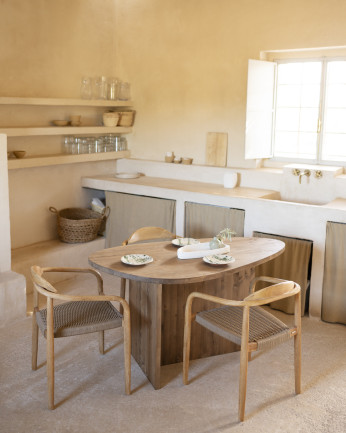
[(129, 212), (334, 278), (206, 221), (39, 112), (294, 264)]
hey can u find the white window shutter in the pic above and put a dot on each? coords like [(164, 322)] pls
[(259, 109)]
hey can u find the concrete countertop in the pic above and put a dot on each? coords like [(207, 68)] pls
[(181, 185), (338, 203)]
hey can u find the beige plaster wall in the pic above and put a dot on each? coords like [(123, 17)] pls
[(46, 47), (187, 60)]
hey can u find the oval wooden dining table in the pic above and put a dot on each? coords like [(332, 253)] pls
[(158, 293)]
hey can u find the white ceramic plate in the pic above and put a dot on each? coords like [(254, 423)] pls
[(181, 242), (136, 259), (219, 259), (133, 175)]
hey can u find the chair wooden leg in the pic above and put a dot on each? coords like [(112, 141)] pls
[(297, 345), (244, 353), (50, 353), (187, 341), (122, 292), (297, 362), (34, 346), (127, 348), (102, 342)]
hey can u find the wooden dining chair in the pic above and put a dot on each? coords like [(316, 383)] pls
[(141, 235), (81, 314), (148, 234), (248, 325)]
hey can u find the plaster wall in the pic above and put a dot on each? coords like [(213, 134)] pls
[(49, 46), (187, 62), (5, 244)]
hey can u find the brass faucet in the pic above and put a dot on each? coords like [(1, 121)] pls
[(306, 173)]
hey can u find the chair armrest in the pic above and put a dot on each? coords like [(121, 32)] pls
[(273, 293), (283, 289), (80, 270), (266, 279)]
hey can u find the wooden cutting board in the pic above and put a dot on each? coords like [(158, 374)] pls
[(216, 149)]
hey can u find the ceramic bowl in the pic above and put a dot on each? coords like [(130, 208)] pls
[(19, 153), (110, 118), (186, 161), (60, 122)]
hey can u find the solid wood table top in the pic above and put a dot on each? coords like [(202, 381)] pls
[(168, 269)]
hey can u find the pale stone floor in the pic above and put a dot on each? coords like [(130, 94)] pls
[(89, 388)]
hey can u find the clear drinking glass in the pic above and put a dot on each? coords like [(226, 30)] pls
[(123, 141), (68, 143)]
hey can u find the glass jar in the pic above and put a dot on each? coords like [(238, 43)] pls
[(112, 88), (85, 88), (100, 87), (124, 91)]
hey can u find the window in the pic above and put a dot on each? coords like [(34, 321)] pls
[(308, 111)]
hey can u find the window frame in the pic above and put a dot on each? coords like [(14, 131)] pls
[(324, 60)]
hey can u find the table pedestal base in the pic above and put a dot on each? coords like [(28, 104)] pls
[(157, 320)]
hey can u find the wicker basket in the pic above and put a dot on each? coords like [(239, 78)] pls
[(105, 214), (77, 225), (127, 118)]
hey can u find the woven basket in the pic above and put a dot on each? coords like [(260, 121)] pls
[(77, 225), (105, 214), (127, 118)]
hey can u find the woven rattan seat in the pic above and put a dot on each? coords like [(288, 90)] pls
[(76, 315), (75, 318), (247, 324), (264, 328)]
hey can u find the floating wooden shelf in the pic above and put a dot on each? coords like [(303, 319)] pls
[(50, 159), (45, 160), (4, 100), (63, 130)]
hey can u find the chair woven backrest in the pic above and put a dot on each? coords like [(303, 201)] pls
[(149, 233)]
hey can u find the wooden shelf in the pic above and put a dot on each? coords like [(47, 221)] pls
[(46, 160), (4, 100), (31, 131), (63, 130)]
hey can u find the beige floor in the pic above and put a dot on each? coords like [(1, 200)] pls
[(90, 395)]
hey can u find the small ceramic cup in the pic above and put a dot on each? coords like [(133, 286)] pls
[(169, 157), (75, 120)]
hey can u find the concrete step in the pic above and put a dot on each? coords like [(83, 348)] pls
[(53, 253)]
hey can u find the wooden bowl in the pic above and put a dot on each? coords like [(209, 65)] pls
[(19, 153), (187, 161), (60, 122)]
